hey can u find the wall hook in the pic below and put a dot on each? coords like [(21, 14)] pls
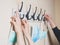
[(33, 16), (38, 17), (21, 7), (42, 18), (27, 15)]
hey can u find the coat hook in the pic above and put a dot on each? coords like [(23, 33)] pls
[(21, 17), (42, 18), (27, 15), (38, 17), (44, 14), (33, 16), (21, 7)]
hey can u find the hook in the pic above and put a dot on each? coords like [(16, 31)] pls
[(21, 17), (44, 14), (33, 16), (27, 15), (42, 18), (39, 15), (21, 7)]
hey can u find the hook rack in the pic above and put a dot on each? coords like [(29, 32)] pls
[(39, 17)]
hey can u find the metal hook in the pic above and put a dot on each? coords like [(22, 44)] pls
[(39, 15), (21, 7), (42, 18), (44, 14), (27, 15), (21, 17), (33, 16)]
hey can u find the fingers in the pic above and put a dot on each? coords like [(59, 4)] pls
[(46, 15), (25, 27), (13, 18), (48, 18), (25, 22), (12, 22), (17, 15)]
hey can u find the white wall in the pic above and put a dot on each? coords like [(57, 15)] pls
[(6, 12), (57, 12)]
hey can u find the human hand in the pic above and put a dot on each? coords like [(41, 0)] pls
[(25, 27), (16, 22), (49, 19)]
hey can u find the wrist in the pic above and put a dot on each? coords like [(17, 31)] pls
[(52, 24), (19, 32), (28, 36)]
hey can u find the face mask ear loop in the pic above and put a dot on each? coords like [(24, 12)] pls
[(47, 26), (9, 32), (10, 25), (44, 23)]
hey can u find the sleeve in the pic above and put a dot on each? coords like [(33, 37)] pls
[(57, 33)]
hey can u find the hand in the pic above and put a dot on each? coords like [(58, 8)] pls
[(26, 31), (16, 22), (49, 19), (25, 27)]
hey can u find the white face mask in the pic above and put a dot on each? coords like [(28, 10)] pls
[(37, 33)]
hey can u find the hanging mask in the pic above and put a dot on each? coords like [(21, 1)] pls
[(37, 33), (12, 37)]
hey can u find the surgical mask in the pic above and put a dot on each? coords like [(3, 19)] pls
[(12, 37), (37, 33)]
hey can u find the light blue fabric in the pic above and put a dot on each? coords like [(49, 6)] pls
[(42, 35), (12, 37), (37, 34)]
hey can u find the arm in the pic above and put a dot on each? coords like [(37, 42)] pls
[(20, 39), (26, 31), (30, 40), (16, 22), (54, 27), (57, 33)]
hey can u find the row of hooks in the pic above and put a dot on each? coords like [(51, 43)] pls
[(33, 16)]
